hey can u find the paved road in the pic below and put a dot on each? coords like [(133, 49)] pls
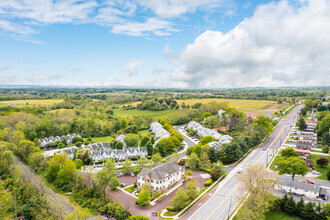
[(61, 205), (228, 193)]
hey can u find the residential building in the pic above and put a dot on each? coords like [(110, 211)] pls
[(202, 132), (69, 137), (305, 144), (118, 154), (215, 144), (269, 114), (161, 177), (251, 116), (301, 188), (121, 138), (305, 154), (159, 132)]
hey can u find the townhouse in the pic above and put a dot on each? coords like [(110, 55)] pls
[(161, 177), (118, 154), (69, 137), (314, 191), (202, 132)]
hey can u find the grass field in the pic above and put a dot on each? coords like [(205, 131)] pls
[(275, 215), (256, 106), (135, 112), (32, 102), (272, 166), (322, 170)]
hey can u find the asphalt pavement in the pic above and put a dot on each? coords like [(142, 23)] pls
[(229, 193)]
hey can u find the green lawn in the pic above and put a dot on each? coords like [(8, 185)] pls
[(275, 215), (135, 112), (322, 170), (102, 139), (272, 166), (130, 189)]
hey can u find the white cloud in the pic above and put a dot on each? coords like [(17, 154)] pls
[(175, 8), (7, 78), (279, 45), (150, 26), (36, 78), (132, 67)]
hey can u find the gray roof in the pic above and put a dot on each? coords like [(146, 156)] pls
[(161, 170), (300, 185), (215, 145)]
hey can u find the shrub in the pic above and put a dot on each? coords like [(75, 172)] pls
[(205, 170), (182, 162), (214, 175), (134, 158), (328, 175), (149, 157), (170, 208), (189, 173), (135, 184), (208, 183)]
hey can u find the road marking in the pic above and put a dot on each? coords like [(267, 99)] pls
[(275, 139)]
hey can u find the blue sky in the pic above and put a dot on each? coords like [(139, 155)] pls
[(165, 43)]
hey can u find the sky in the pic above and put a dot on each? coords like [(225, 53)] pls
[(165, 43)]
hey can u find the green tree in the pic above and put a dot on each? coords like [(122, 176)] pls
[(114, 183), (193, 160), (25, 149), (181, 199), (119, 145), (142, 162), (290, 206), (78, 163), (301, 124), (308, 211), (149, 147), (156, 158), (289, 152), (144, 198), (131, 141), (204, 161), (211, 122), (292, 166), (127, 166), (191, 187), (144, 141), (207, 139), (104, 176), (262, 125)]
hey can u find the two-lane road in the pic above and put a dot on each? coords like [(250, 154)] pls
[(229, 193)]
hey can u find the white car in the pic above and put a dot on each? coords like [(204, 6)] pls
[(240, 170)]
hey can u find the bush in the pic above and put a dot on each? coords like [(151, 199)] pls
[(149, 157), (135, 184), (171, 208), (205, 170), (134, 158), (214, 175), (182, 162), (328, 175), (208, 183)]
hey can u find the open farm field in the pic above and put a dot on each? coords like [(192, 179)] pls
[(135, 112), (246, 105), (32, 102)]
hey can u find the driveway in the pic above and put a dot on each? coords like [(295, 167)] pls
[(129, 201)]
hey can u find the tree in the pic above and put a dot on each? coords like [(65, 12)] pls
[(144, 141), (262, 125), (144, 198), (119, 145), (328, 175), (258, 183), (293, 166), (193, 160), (301, 124), (204, 161), (78, 144), (142, 162), (114, 183), (322, 161), (214, 175), (181, 199), (323, 126), (149, 147), (308, 212), (156, 158), (78, 163), (289, 152), (299, 207), (77, 215), (127, 166), (290, 206), (191, 187), (104, 176), (211, 122), (131, 141), (207, 139), (25, 149)]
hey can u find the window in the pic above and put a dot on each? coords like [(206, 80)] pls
[(156, 188), (139, 184), (142, 178), (152, 187), (152, 181), (156, 182)]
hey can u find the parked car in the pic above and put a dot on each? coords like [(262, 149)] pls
[(154, 214), (240, 170), (264, 148), (315, 172), (132, 174), (122, 185)]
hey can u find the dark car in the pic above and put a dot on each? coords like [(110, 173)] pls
[(154, 214)]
